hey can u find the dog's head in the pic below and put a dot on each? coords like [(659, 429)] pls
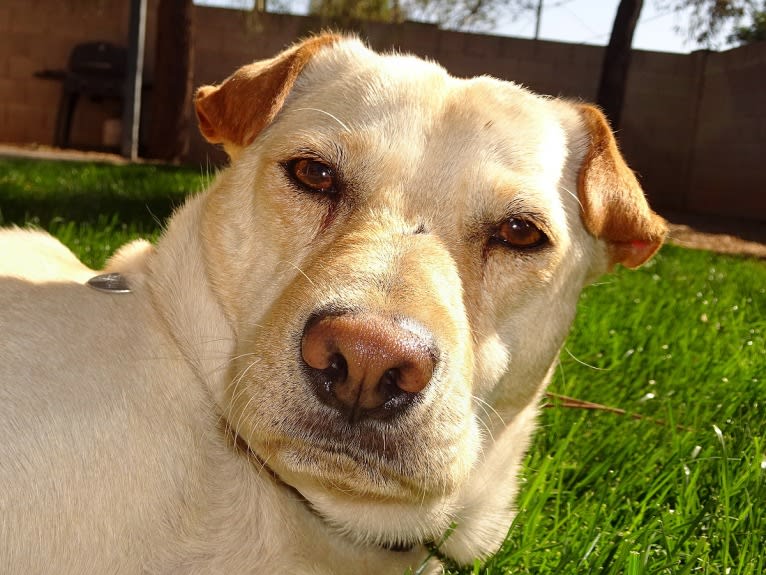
[(400, 253)]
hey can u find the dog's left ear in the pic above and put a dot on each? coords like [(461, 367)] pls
[(234, 112), (613, 203)]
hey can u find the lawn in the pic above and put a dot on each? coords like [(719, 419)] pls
[(676, 485), (93, 208), (682, 489)]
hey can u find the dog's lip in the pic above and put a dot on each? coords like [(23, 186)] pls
[(396, 546), (383, 480), (331, 432)]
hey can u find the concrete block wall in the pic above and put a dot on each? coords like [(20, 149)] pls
[(730, 138), (37, 35), (694, 126), (657, 132)]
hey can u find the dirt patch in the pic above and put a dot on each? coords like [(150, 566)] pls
[(718, 234), (684, 236)]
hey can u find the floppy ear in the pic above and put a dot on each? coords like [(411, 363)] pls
[(234, 112), (613, 204)]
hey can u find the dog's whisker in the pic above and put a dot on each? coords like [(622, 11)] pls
[(259, 462), (237, 379), (235, 394), (326, 113), (486, 427), (241, 355), (224, 416), (581, 362), (299, 270), (243, 414), (486, 405), (574, 195), (219, 367)]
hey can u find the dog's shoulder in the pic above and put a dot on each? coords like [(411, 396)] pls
[(132, 258), (37, 256)]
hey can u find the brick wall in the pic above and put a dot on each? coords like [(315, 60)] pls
[(694, 126)]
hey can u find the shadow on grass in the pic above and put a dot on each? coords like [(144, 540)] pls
[(42, 191)]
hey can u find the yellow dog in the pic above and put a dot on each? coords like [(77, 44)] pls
[(335, 352)]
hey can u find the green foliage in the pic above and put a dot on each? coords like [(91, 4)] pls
[(682, 342), (707, 19), (753, 32), (346, 12), (454, 14)]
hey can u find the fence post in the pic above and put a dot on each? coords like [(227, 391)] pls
[(131, 114)]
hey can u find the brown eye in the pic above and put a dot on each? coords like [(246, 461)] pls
[(313, 174), (519, 233)]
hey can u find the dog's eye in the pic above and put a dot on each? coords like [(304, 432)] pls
[(313, 174), (520, 234)]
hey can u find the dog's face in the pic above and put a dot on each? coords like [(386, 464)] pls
[(400, 254)]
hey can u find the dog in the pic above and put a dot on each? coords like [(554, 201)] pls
[(332, 360)]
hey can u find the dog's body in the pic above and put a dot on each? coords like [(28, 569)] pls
[(334, 353)]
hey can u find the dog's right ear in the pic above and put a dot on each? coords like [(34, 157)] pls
[(234, 112), (613, 205)]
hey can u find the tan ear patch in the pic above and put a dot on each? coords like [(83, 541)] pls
[(234, 112), (613, 203)]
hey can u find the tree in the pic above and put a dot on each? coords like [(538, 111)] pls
[(616, 63), (347, 12), (453, 14), (467, 14), (755, 32), (172, 90), (707, 18)]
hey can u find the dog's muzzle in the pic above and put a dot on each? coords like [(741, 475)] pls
[(366, 365)]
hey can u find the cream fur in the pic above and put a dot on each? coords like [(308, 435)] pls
[(114, 455)]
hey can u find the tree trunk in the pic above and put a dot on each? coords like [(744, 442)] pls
[(614, 70), (172, 89)]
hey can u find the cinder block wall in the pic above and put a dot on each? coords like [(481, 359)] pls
[(37, 35), (694, 126), (728, 166)]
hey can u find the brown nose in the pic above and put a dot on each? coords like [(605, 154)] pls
[(366, 365)]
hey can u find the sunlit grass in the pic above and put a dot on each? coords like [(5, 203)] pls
[(681, 490), (94, 242)]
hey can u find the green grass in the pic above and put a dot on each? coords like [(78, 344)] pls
[(680, 342), (92, 207), (683, 489)]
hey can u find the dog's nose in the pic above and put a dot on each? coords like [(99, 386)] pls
[(366, 365)]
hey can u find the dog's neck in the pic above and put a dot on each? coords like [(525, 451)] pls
[(182, 296)]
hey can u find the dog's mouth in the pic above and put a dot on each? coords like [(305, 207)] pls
[(358, 463), (398, 543), (383, 484)]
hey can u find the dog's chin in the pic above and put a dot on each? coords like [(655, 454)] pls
[(366, 502), (393, 523), (395, 499)]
